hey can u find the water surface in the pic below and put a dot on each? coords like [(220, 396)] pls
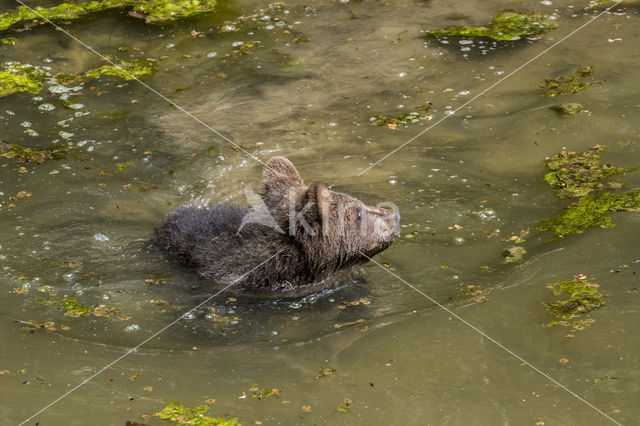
[(462, 188)]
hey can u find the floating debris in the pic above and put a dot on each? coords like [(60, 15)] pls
[(583, 297), (570, 84), (576, 175), (508, 25)]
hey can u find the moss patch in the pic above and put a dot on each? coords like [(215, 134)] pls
[(182, 415), (19, 77), (570, 84), (590, 211), (583, 297), (574, 175), (151, 11), (127, 70), (508, 25)]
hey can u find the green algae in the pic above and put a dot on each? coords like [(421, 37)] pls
[(574, 175), (342, 408), (570, 84), (116, 115), (583, 297), (325, 371), (127, 70), (508, 25), (28, 155), (121, 167), (182, 415), (74, 308), (570, 108), (403, 119), (266, 393), (606, 3), (245, 47), (514, 254), (18, 77), (9, 40), (590, 211), (155, 11), (152, 11)]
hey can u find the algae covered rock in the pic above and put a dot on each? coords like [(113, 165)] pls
[(508, 25)]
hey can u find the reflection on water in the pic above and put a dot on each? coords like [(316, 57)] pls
[(304, 80)]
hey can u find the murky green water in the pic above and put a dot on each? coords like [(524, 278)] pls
[(81, 224)]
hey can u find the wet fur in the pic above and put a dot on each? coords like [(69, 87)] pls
[(208, 240)]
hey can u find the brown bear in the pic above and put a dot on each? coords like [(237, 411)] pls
[(309, 232)]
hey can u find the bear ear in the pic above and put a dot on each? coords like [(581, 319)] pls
[(279, 174), (318, 199)]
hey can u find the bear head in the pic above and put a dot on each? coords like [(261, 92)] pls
[(333, 229)]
